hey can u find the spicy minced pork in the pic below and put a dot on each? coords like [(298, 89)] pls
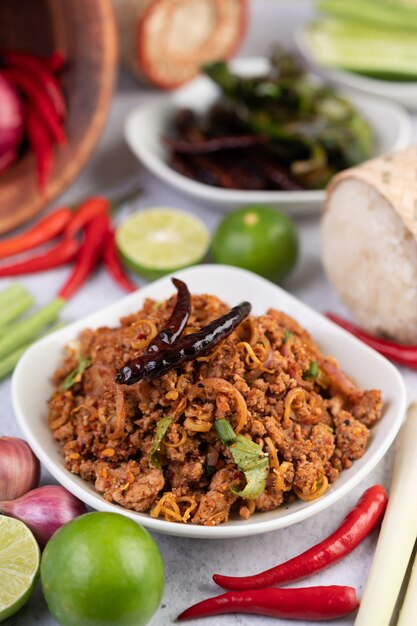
[(268, 379)]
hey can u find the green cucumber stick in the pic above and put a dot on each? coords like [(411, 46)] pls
[(25, 330), (384, 14), (14, 301), (9, 362)]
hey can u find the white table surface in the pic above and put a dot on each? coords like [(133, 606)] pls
[(190, 563)]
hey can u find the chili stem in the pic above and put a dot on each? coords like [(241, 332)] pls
[(26, 329), (13, 304), (8, 363)]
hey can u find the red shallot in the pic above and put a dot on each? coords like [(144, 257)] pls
[(11, 122), (44, 510), (19, 468)]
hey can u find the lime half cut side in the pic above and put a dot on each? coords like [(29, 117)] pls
[(19, 565), (157, 241)]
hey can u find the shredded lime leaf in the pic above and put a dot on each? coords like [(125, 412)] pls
[(249, 458), (160, 431), (76, 374), (312, 371)]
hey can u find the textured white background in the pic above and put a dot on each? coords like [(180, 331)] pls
[(190, 563)]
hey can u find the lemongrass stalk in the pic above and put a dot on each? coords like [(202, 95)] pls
[(8, 364), (12, 292), (409, 608), (14, 309), (398, 533), (25, 330)]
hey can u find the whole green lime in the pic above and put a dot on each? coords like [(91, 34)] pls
[(102, 569), (258, 238)]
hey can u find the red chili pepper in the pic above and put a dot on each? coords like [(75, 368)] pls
[(88, 256), (113, 264), (307, 603), (400, 353), (41, 145), (355, 527), (58, 254), (87, 210), (40, 100), (43, 231), (55, 62), (36, 68)]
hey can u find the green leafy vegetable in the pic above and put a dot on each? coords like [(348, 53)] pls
[(287, 335), (249, 458), (312, 371), (161, 429), (76, 374)]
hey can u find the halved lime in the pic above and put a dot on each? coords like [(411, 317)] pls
[(157, 241), (19, 565)]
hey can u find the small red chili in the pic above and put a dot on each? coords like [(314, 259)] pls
[(59, 254), (88, 257), (397, 352), (36, 95), (35, 67), (43, 231), (355, 527), (306, 603), (113, 264), (41, 144), (86, 211)]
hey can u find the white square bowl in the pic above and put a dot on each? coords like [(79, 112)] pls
[(31, 388)]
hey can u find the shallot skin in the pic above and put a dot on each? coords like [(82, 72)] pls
[(44, 510), (19, 468)]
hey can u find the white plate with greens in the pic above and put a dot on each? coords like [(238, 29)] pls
[(32, 386), (145, 126)]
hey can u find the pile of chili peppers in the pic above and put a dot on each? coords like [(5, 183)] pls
[(35, 80), (397, 352), (84, 235), (255, 594), (169, 349)]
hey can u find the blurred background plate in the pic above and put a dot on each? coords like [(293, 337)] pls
[(145, 126), (404, 93), (85, 31)]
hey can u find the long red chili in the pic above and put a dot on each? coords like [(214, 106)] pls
[(113, 264), (400, 353), (39, 99), (36, 68), (307, 603), (41, 144), (88, 256), (151, 366), (355, 527), (43, 231), (59, 254), (87, 210)]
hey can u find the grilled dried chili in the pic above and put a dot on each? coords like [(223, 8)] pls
[(355, 527), (306, 603), (177, 320), (150, 366), (214, 144)]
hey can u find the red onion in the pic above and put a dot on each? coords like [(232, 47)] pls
[(44, 510), (11, 122), (19, 468)]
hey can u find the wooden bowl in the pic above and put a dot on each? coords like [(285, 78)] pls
[(85, 31)]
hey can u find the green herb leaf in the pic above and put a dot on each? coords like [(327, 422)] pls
[(160, 431), (76, 374), (312, 371), (210, 470), (287, 335), (225, 432), (249, 458)]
